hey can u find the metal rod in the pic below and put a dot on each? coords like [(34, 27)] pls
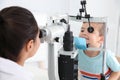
[(104, 47), (51, 63)]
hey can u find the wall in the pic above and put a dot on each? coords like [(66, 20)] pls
[(42, 6), (117, 2)]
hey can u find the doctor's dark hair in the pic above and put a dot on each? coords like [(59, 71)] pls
[(17, 27)]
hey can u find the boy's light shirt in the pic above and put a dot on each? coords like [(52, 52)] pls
[(93, 65), (10, 70)]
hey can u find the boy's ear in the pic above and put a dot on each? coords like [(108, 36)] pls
[(101, 39)]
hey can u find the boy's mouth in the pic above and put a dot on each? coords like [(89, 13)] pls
[(88, 45), (87, 39)]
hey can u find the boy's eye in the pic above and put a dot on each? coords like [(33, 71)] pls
[(82, 30)]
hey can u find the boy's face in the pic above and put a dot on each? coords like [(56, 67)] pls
[(93, 39)]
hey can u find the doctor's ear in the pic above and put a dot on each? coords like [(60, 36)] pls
[(29, 45)]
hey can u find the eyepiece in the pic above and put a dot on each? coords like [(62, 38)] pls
[(90, 29)]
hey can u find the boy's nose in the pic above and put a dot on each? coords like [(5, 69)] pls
[(83, 35), (85, 32)]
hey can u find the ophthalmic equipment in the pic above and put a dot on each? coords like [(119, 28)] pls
[(67, 55)]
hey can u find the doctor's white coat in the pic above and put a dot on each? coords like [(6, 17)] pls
[(10, 70)]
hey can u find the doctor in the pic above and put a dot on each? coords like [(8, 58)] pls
[(19, 40)]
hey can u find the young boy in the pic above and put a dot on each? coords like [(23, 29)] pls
[(90, 62)]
